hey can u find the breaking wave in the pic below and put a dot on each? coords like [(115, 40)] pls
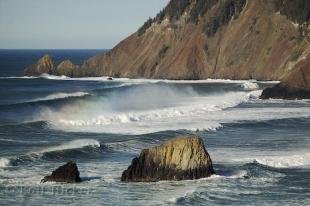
[(291, 161), (75, 144), (250, 85), (60, 95), (69, 149), (54, 77), (144, 111), (4, 162), (159, 107)]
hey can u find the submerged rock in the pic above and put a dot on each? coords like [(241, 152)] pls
[(181, 158), (67, 173), (43, 65)]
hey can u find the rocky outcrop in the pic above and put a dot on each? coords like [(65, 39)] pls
[(66, 68), (67, 173), (181, 158), (43, 65), (285, 92), (295, 85), (200, 39)]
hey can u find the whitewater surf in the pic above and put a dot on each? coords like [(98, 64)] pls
[(258, 147)]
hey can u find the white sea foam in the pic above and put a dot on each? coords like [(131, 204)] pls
[(4, 162), (53, 77), (20, 141), (291, 161), (60, 95), (22, 77), (154, 108), (144, 112), (187, 193), (254, 95), (139, 80), (250, 85)]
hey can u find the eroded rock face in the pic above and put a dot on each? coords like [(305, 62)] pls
[(67, 173), (284, 92), (295, 85), (43, 65), (181, 158), (66, 68)]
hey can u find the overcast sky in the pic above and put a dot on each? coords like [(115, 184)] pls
[(71, 24)]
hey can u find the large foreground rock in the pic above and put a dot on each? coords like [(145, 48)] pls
[(67, 173), (181, 158)]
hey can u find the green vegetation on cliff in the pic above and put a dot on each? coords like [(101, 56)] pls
[(228, 9)]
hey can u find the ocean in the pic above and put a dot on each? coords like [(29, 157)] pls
[(260, 148)]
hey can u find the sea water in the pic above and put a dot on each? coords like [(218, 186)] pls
[(260, 148)]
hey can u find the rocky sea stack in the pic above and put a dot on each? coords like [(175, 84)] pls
[(43, 65), (295, 85), (67, 173), (66, 68), (181, 158)]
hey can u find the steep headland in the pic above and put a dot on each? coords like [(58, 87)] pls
[(199, 39)]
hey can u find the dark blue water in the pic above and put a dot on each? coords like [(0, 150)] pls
[(260, 148), (13, 62)]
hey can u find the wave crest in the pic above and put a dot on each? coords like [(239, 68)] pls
[(60, 95), (139, 113), (291, 161), (250, 85), (4, 162), (75, 144), (67, 149)]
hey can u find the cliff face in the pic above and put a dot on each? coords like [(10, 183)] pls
[(199, 39)]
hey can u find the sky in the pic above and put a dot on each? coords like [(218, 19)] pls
[(71, 24)]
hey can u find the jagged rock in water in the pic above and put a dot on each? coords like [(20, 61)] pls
[(67, 173), (43, 65), (66, 68), (181, 158), (295, 85), (283, 92)]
